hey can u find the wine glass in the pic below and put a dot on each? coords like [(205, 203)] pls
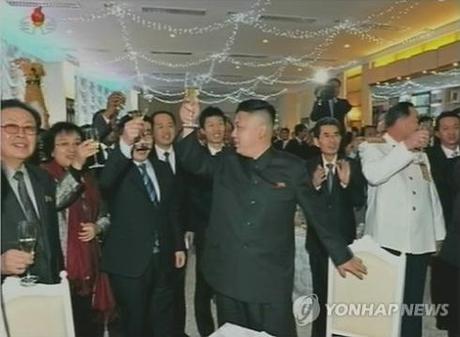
[(27, 238), (137, 114), (93, 134)]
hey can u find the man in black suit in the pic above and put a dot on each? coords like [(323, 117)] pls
[(199, 197), (281, 143), (298, 146), (164, 134), (329, 105), (443, 156), (341, 186), (450, 255), (248, 257), (144, 242), (28, 193)]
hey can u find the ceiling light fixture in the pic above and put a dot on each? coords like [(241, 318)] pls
[(346, 45), (172, 35), (264, 41)]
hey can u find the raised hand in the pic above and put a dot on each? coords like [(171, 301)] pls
[(418, 140), (85, 150), (189, 111), (133, 130), (343, 171), (15, 262), (319, 176)]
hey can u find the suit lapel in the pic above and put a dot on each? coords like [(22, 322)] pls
[(135, 177), (39, 195)]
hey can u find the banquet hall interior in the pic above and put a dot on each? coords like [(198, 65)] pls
[(67, 57)]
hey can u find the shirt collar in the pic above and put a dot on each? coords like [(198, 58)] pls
[(213, 150), (333, 162), (448, 152), (390, 139), (10, 173), (161, 152)]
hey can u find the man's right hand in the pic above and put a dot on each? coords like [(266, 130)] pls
[(115, 103), (354, 266), (319, 176), (15, 262), (189, 111), (418, 140), (132, 131)]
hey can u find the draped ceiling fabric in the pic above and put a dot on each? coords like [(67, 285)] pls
[(12, 81)]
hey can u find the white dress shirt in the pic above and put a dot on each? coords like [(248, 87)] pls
[(162, 157), (451, 153), (404, 212), (14, 185)]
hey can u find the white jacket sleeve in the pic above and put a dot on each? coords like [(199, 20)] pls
[(378, 166)]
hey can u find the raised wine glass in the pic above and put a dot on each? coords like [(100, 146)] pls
[(93, 134), (27, 238)]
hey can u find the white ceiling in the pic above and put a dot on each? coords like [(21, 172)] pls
[(101, 41)]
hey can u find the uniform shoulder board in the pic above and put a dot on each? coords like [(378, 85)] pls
[(376, 140)]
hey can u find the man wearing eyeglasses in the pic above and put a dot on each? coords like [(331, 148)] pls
[(27, 193)]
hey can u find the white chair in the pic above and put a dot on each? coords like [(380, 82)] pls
[(375, 301), (42, 310)]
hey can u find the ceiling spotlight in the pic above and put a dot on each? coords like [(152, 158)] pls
[(378, 83), (346, 45), (299, 69), (237, 67), (424, 72), (434, 72), (264, 41), (399, 78), (455, 64), (172, 35), (408, 78)]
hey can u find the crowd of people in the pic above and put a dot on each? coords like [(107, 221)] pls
[(123, 230)]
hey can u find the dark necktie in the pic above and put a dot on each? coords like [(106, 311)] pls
[(29, 209), (148, 183), (167, 154), (330, 177), (153, 197)]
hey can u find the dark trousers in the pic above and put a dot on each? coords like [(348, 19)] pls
[(319, 274), (445, 286), (146, 302), (203, 296), (84, 318), (414, 286), (179, 302), (274, 318)]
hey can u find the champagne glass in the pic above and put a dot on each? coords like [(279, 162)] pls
[(27, 238), (137, 114), (93, 134)]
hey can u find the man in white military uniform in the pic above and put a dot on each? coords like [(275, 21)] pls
[(404, 213)]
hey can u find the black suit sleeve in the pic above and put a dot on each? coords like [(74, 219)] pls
[(357, 185), (115, 167), (176, 209), (316, 214), (194, 158)]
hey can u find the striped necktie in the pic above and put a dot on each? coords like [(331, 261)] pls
[(148, 183)]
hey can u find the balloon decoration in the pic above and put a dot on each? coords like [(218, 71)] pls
[(37, 17), (37, 22)]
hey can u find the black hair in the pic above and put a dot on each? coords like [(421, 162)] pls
[(258, 105), (445, 114), (126, 118), (334, 79), (49, 137), (299, 128), (326, 121), (397, 111), (210, 111), (162, 112), (15, 103)]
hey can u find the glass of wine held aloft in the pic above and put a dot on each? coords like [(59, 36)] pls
[(27, 239), (93, 134)]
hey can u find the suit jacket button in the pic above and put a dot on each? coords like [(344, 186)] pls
[(253, 202), (414, 193), (413, 208)]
